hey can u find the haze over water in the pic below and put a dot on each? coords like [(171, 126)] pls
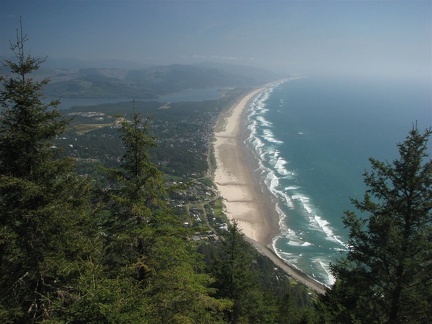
[(352, 38), (312, 139)]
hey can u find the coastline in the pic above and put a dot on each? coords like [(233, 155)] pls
[(242, 197)]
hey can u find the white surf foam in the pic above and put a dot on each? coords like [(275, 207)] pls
[(326, 267), (280, 166), (304, 202), (269, 137), (326, 228), (263, 122)]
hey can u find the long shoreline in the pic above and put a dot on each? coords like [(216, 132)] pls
[(243, 200)]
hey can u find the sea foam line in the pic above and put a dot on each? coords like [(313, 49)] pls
[(277, 166), (272, 168), (325, 266)]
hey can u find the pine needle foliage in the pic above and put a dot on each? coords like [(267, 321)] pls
[(387, 274), (28, 125), (146, 244), (43, 202)]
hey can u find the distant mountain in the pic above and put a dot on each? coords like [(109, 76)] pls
[(96, 83), (173, 78), (147, 83)]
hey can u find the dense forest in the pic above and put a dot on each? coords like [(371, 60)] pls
[(76, 249)]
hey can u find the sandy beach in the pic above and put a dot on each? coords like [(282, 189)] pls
[(242, 196)]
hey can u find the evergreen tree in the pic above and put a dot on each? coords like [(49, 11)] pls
[(236, 280), (146, 244), (43, 203), (28, 126), (137, 193), (179, 289), (387, 274)]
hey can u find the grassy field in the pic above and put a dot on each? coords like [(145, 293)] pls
[(81, 129)]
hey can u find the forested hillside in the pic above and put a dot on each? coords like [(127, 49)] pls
[(74, 251)]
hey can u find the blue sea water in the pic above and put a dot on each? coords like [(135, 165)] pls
[(311, 139)]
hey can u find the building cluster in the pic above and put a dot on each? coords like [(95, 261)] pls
[(183, 145)]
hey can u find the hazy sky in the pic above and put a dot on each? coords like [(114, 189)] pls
[(366, 38)]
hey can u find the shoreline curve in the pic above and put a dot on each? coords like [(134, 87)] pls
[(242, 197)]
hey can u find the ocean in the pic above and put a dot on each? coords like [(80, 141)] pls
[(311, 139)]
